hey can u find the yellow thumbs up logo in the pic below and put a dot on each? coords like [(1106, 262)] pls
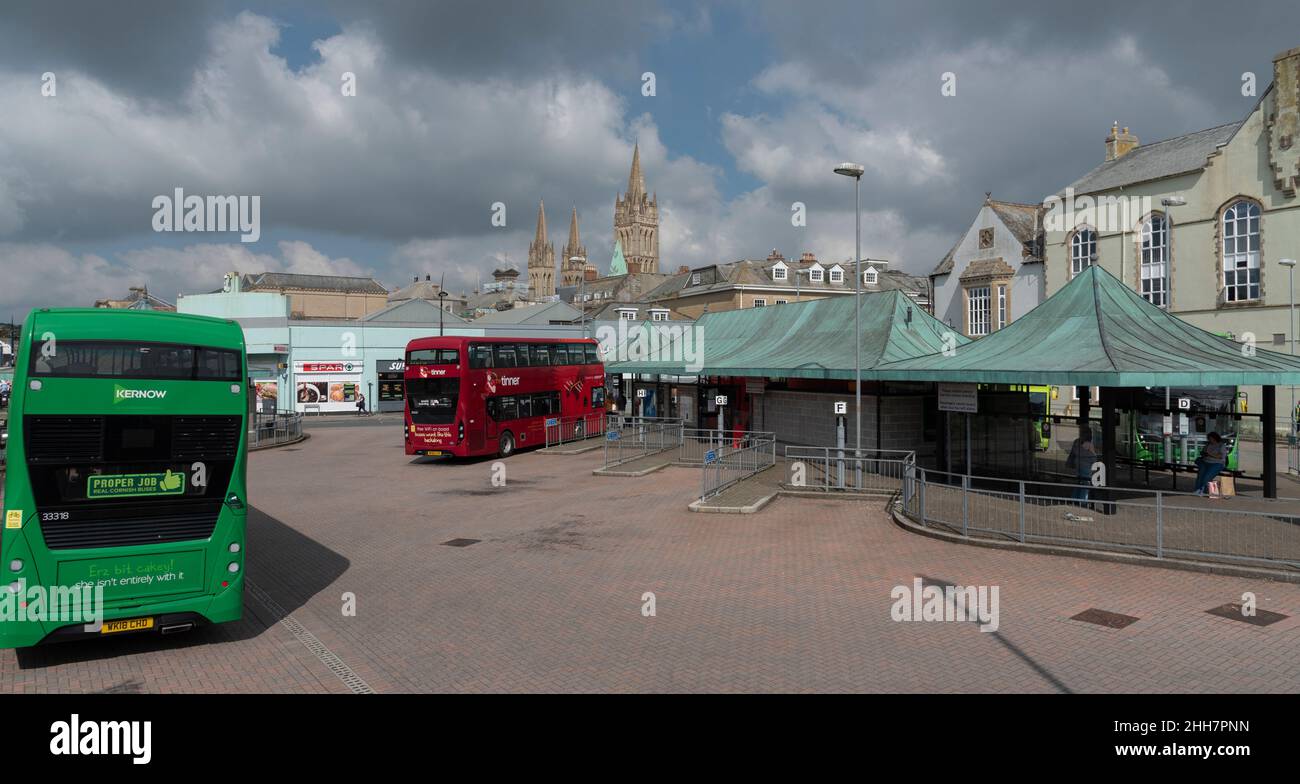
[(171, 481)]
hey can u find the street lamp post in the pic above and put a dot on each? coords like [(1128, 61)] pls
[(442, 306), (1291, 328), (1167, 264), (856, 171), (582, 306)]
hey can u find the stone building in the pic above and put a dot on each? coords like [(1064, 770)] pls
[(1198, 224), (636, 221), (994, 274), (319, 296), (541, 260), (572, 271)]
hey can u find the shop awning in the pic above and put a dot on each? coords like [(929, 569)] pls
[(796, 340), (1098, 332)]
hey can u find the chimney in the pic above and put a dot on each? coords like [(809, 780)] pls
[(589, 274), (1119, 143), (775, 255), (808, 257), (683, 269), (1283, 123)]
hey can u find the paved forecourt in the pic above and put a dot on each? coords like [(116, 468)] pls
[(551, 594)]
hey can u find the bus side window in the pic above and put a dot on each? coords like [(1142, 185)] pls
[(541, 355), (559, 354), (555, 401), (505, 355), (480, 355), (525, 406), (509, 410), (493, 409), (521, 355)]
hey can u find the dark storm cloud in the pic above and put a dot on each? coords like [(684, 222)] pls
[(145, 47), (515, 38)]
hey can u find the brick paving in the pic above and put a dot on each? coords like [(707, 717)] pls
[(793, 598)]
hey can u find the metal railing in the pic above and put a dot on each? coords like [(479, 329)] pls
[(635, 441), (726, 465), (697, 443), (561, 430), (271, 429), (831, 468), (1149, 522)]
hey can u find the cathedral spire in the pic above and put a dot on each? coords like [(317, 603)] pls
[(635, 180), (541, 223), (574, 241), (571, 271)]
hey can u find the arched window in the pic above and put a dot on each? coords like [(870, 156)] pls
[(1241, 252), (1083, 246), (1155, 255)]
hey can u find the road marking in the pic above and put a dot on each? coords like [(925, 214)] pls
[(318, 649)]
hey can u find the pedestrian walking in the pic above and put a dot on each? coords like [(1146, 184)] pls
[(361, 404)]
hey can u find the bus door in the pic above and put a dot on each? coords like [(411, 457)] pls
[(492, 430), (476, 425)]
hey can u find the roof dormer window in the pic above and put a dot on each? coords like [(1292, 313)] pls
[(816, 273), (837, 274), (779, 271), (870, 276)]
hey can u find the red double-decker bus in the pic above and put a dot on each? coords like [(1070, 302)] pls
[(485, 396)]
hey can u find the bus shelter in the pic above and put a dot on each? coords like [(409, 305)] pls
[(787, 369), (1097, 332)]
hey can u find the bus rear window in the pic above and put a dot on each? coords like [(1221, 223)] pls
[(116, 359), (433, 356)]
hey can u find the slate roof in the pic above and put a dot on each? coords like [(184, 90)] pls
[(274, 281), (1157, 160)]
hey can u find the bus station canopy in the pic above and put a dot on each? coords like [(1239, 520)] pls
[(1098, 332), (796, 340)]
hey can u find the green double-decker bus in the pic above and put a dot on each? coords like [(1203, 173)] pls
[(126, 473)]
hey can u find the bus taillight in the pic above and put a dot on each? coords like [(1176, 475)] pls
[(460, 431)]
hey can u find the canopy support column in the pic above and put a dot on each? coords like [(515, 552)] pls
[(1108, 442), (1269, 422)]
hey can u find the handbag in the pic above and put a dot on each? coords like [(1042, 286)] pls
[(1212, 488), (1227, 485)]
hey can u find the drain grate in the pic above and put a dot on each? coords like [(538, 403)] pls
[(355, 683), (1105, 618), (461, 542), (1260, 618)]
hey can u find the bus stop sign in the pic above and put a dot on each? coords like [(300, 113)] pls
[(710, 456), (612, 435)]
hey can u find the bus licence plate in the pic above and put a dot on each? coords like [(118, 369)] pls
[(126, 625), (433, 453)]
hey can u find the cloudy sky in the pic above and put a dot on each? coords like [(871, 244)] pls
[(459, 105)]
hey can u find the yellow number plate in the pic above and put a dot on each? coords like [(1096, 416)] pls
[(127, 625), (434, 453)]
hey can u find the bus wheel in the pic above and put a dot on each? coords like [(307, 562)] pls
[(506, 446)]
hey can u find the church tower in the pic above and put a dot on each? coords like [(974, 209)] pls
[(541, 260), (636, 221), (571, 271)]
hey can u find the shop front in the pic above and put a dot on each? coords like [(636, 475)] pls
[(392, 387), (327, 387)]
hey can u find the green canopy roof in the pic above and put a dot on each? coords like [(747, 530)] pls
[(1098, 332), (797, 340)]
